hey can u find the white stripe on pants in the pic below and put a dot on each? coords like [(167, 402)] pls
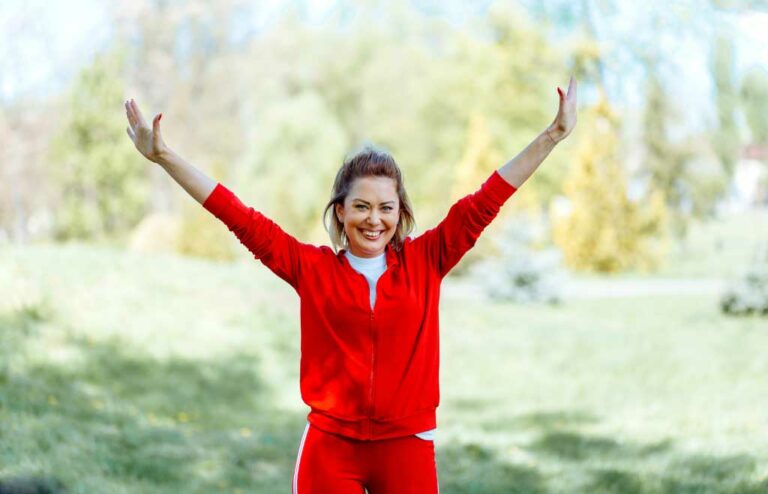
[(298, 459)]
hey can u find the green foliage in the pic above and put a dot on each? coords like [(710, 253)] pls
[(155, 233), (705, 184), (480, 159), (689, 187), (726, 139), (604, 231), (199, 236), (665, 162), (101, 184), (282, 129), (421, 100), (296, 150), (754, 93), (494, 97)]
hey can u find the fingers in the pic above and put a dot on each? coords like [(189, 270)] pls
[(137, 112), (156, 126), (572, 87), (131, 134), (130, 115), (134, 114)]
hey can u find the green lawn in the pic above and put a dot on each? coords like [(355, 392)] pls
[(126, 373)]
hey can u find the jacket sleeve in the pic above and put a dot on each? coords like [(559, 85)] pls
[(446, 244), (275, 248)]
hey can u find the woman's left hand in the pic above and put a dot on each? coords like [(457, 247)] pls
[(565, 120)]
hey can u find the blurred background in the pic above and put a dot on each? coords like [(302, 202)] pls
[(606, 334)]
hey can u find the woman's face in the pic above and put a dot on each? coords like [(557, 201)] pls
[(371, 207)]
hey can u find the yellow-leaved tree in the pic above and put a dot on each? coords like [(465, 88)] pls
[(480, 159), (602, 229)]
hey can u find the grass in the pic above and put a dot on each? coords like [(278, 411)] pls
[(127, 373), (658, 394)]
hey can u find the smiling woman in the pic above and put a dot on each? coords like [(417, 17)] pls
[(369, 305)]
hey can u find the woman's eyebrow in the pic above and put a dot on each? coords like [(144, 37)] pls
[(366, 202)]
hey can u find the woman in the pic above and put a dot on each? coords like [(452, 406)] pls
[(369, 312)]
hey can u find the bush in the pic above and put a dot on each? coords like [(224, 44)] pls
[(202, 235), (748, 295), (521, 273), (194, 233), (156, 233)]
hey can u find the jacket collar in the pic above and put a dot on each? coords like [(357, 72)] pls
[(390, 253)]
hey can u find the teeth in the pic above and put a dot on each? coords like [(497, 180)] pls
[(371, 235)]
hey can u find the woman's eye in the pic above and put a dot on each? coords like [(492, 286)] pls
[(385, 208)]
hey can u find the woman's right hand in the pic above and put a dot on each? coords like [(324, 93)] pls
[(147, 140)]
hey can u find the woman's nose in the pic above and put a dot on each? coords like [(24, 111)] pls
[(373, 218)]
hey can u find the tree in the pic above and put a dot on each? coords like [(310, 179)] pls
[(754, 94), (101, 187), (480, 159), (665, 161), (604, 231), (293, 160), (725, 140)]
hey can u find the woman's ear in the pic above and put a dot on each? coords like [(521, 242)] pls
[(340, 213)]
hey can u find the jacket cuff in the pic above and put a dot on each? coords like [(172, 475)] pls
[(220, 203), (498, 188)]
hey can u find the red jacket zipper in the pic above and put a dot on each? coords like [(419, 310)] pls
[(372, 336), (373, 349), (373, 362)]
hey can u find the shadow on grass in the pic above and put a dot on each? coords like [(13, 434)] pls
[(475, 469), (114, 419), (558, 456), (31, 485), (675, 481), (573, 446), (653, 468), (117, 420)]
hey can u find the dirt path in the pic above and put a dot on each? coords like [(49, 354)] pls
[(641, 288), (606, 288)]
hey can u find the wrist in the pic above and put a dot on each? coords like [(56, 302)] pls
[(554, 134), (164, 157)]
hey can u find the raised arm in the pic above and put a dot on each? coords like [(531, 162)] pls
[(149, 142), (447, 243), (521, 167), (275, 248)]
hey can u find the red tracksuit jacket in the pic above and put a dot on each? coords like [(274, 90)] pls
[(368, 373)]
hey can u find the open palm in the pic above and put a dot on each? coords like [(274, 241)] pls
[(565, 120), (147, 140)]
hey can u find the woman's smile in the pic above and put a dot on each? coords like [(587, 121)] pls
[(372, 234)]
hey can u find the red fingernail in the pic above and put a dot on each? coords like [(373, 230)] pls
[(161, 116), (559, 91)]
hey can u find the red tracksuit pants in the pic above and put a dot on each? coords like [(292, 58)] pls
[(332, 464)]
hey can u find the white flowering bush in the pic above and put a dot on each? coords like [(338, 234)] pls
[(520, 273), (749, 295)]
